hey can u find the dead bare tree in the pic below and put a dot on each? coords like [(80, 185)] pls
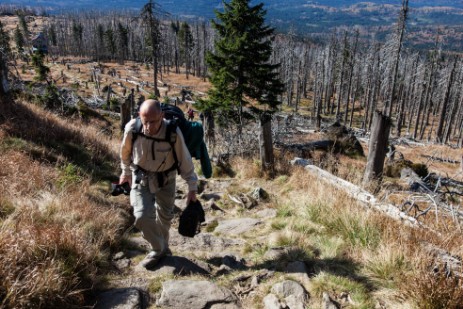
[(345, 54), (351, 63), (443, 106), (398, 48)]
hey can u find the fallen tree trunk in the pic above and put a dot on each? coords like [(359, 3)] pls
[(362, 195), (451, 263), (414, 181), (437, 159), (317, 145)]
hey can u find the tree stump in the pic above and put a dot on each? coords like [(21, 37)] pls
[(377, 148), (265, 143), (125, 113)]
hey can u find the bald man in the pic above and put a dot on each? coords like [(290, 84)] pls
[(150, 168)]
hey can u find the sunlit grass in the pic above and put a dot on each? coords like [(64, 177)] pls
[(324, 282)]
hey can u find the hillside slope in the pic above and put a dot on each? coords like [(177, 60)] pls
[(289, 240), (56, 222)]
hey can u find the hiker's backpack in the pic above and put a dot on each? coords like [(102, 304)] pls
[(192, 132)]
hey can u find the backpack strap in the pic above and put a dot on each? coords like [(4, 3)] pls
[(170, 137), (136, 130)]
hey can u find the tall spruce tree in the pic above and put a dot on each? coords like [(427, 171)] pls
[(149, 14), (19, 39), (240, 71)]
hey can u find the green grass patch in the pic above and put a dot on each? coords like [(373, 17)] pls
[(306, 227), (387, 266), (286, 241), (155, 285), (211, 226), (278, 224), (6, 208), (281, 180), (258, 250), (325, 282), (352, 227), (70, 174), (356, 230), (285, 211), (73, 152), (329, 247), (14, 143)]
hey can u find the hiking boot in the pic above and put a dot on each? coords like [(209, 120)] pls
[(151, 260)]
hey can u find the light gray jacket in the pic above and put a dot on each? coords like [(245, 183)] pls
[(141, 154)]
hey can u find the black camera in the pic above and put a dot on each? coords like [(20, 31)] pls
[(118, 189)]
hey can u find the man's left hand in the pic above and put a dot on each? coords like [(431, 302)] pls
[(191, 197)]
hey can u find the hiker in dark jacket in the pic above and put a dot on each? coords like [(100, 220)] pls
[(150, 168)]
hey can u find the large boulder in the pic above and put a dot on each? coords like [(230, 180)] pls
[(120, 299), (194, 294), (237, 226)]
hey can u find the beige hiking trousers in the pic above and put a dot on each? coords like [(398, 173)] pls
[(154, 211)]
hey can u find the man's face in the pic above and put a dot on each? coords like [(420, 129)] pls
[(151, 122)]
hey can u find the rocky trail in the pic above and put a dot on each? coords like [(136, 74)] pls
[(217, 268)]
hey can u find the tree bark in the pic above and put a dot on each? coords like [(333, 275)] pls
[(266, 144), (125, 112), (401, 30), (3, 77), (443, 110), (377, 148)]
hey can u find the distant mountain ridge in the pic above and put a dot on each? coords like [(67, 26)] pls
[(302, 16)]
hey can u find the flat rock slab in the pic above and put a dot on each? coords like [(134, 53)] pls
[(293, 293), (202, 242), (267, 213), (289, 287), (237, 226), (120, 299), (194, 294)]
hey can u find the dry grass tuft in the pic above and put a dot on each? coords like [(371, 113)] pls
[(433, 289), (246, 168)]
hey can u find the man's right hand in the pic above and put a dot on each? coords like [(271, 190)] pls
[(126, 178)]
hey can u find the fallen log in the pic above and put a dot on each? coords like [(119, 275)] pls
[(363, 196), (317, 145), (451, 263), (414, 181), (438, 159)]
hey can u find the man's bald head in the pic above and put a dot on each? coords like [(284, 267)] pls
[(151, 116), (150, 107)]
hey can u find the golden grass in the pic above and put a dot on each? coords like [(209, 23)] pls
[(350, 242), (431, 289), (56, 235)]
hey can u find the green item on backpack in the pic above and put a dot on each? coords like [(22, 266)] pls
[(194, 140)]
